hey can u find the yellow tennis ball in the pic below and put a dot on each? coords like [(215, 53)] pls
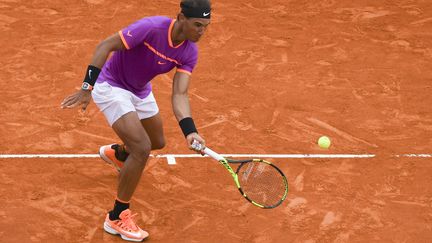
[(324, 142)]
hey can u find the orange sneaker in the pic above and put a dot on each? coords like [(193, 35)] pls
[(125, 227), (107, 153)]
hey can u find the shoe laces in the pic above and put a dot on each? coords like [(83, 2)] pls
[(126, 221)]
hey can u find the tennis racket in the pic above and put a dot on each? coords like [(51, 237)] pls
[(259, 181)]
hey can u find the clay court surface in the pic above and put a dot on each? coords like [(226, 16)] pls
[(273, 76)]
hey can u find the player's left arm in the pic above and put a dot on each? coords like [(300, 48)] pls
[(182, 110)]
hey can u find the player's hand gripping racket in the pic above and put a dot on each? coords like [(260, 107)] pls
[(259, 181)]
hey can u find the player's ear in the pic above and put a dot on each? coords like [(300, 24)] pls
[(181, 17)]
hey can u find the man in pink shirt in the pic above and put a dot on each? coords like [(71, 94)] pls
[(121, 89)]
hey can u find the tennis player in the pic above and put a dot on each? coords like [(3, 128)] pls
[(121, 89)]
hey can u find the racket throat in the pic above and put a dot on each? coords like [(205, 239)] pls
[(232, 172)]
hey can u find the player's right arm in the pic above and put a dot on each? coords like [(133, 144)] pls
[(83, 97), (112, 43)]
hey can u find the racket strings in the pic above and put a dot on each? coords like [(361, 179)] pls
[(262, 183)]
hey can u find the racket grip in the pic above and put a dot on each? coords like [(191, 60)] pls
[(197, 146), (213, 154)]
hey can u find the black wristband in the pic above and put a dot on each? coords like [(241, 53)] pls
[(187, 126), (92, 75)]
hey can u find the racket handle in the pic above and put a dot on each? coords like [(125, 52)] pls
[(213, 154), (197, 146)]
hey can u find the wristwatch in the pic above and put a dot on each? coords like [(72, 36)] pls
[(86, 86)]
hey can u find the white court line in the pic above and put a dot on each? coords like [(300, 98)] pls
[(49, 156), (415, 155), (282, 156), (171, 158)]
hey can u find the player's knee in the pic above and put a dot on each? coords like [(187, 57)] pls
[(158, 144), (141, 152)]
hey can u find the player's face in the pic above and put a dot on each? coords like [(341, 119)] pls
[(194, 28)]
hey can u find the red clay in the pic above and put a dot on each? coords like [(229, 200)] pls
[(273, 76)]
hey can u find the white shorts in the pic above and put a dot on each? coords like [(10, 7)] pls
[(115, 102)]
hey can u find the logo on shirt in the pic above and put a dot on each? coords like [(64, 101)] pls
[(206, 14), (161, 63), (129, 34)]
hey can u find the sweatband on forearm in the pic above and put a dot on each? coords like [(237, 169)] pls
[(187, 126), (92, 75)]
